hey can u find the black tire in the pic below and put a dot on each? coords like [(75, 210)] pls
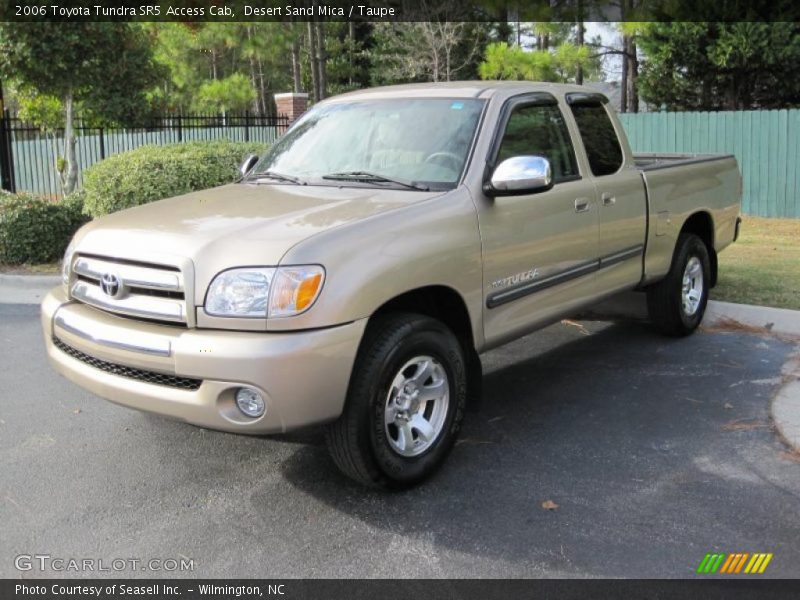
[(665, 298), (358, 441)]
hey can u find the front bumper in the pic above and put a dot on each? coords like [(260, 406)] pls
[(303, 376)]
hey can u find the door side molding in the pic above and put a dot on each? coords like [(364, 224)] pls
[(531, 287)]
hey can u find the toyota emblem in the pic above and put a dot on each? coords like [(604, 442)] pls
[(111, 285)]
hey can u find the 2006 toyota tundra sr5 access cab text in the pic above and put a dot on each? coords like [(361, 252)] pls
[(355, 273)]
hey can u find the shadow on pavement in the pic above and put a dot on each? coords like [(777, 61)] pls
[(622, 429)]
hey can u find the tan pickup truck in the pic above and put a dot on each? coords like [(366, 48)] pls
[(357, 271)]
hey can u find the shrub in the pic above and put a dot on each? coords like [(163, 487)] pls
[(34, 230), (152, 173)]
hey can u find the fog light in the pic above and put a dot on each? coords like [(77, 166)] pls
[(250, 402)]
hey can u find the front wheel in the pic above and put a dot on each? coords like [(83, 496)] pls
[(677, 303), (405, 403)]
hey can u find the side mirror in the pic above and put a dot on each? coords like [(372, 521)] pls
[(247, 164), (520, 175)]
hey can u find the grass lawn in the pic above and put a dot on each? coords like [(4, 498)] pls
[(763, 266)]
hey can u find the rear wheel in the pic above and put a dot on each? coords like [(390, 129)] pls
[(677, 303), (405, 403)]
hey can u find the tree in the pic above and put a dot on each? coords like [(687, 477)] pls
[(46, 112), (629, 101), (195, 54), (106, 67), (502, 61), (550, 34), (232, 94), (312, 60), (561, 64), (317, 58), (296, 37), (348, 61), (713, 66), (434, 50), (626, 49)]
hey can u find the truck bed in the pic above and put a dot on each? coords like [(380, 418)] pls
[(679, 185), (647, 161)]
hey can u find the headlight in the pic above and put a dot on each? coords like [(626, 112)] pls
[(264, 292), (66, 263), (240, 293)]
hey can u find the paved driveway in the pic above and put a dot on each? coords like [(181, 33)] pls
[(656, 451)]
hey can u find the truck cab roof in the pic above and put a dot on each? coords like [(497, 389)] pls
[(461, 89)]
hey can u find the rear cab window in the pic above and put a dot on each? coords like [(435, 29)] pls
[(599, 137)]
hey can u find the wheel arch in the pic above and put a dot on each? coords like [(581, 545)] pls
[(448, 306), (701, 223)]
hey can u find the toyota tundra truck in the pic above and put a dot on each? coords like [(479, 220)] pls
[(355, 273)]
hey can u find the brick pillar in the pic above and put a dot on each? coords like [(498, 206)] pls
[(291, 105)]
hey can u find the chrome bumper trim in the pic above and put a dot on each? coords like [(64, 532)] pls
[(135, 342)]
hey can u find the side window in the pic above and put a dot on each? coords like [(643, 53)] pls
[(599, 138), (540, 130)]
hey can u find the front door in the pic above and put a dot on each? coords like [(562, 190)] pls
[(539, 250)]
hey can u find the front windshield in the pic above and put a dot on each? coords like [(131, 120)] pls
[(419, 140)]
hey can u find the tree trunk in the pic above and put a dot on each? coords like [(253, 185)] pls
[(322, 59), (447, 50), (504, 30), (263, 87), (705, 94), (633, 75), (432, 40), (351, 48), (296, 81), (581, 33), (253, 77), (623, 88), (312, 59), (69, 178)]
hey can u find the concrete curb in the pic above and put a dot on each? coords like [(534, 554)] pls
[(786, 404), (26, 289), (786, 413), (780, 321)]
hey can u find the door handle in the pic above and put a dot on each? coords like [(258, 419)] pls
[(608, 199), (581, 205)]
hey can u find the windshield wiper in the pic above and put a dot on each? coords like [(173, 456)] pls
[(277, 177), (367, 177)]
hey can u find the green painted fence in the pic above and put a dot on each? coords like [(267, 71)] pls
[(766, 144)]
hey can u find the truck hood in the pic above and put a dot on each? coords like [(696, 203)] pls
[(234, 225)]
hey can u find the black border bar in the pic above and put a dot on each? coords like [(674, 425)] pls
[(744, 588), (397, 10)]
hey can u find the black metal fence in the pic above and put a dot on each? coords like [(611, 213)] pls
[(29, 156)]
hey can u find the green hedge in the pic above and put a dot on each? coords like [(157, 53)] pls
[(34, 230), (152, 173)]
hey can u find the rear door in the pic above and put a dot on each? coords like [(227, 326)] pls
[(540, 250), (620, 194)]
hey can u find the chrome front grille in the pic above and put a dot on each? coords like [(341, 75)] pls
[(183, 383), (138, 290)]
